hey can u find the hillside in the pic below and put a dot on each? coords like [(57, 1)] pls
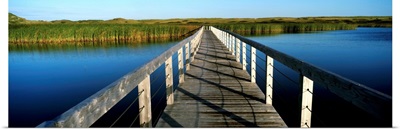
[(14, 19), (361, 21)]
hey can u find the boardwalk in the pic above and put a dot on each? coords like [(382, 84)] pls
[(217, 92)]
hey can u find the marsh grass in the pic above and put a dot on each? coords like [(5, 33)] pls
[(262, 29), (120, 30), (119, 33)]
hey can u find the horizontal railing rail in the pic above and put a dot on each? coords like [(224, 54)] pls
[(372, 101), (91, 109)]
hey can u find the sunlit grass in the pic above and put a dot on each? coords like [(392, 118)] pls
[(120, 33), (260, 29)]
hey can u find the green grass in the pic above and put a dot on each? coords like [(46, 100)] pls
[(120, 30), (120, 33), (262, 29)]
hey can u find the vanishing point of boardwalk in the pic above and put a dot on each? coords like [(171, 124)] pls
[(217, 92)]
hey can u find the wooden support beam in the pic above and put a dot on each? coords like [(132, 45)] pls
[(237, 50), (229, 42), (233, 41), (192, 49), (180, 66), (306, 101), (253, 64), (169, 81), (269, 81), (187, 62), (145, 103), (226, 39), (244, 57)]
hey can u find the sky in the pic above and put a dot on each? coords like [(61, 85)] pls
[(164, 9)]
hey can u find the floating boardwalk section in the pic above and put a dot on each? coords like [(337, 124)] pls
[(217, 92)]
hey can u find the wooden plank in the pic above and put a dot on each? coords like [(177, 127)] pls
[(217, 92), (233, 43)]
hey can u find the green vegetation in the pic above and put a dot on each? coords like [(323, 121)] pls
[(121, 30), (262, 29), (120, 33)]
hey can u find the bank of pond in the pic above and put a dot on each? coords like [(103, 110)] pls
[(139, 33)]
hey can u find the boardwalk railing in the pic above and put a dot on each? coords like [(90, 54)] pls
[(369, 100), (91, 109)]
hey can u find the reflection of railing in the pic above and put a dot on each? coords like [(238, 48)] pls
[(90, 110), (374, 102)]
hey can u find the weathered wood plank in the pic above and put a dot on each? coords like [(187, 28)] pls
[(217, 92), (169, 81), (145, 103), (269, 82), (306, 101), (253, 64)]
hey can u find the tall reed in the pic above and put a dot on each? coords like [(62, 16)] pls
[(60, 33), (260, 29)]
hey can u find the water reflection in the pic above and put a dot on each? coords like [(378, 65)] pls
[(50, 79)]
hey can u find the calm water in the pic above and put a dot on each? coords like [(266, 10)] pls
[(45, 82), (363, 55)]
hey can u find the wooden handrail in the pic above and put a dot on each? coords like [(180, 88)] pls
[(372, 101), (91, 109)]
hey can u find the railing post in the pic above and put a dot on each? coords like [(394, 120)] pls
[(306, 101), (187, 62), (237, 50), (229, 42), (269, 81), (226, 39), (196, 46), (145, 103), (169, 81), (253, 64), (244, 57), (180, 65), (192, 48), (233, 45), (223, 37)]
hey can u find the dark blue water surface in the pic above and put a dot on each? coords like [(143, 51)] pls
[(45, 82), (363, 55)]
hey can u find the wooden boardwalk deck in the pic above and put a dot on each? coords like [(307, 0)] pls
[(218, 93)]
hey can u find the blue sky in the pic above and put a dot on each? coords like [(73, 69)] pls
[(163, 9)]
